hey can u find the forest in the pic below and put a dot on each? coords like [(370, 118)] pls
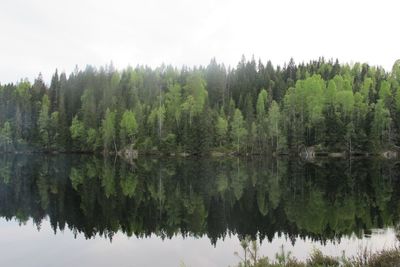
[(254, 108)]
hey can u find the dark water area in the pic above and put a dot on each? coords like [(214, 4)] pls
[(84, 210)]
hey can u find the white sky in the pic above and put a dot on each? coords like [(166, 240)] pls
[(42, 35)]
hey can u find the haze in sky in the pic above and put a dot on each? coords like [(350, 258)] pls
[(42, 35)]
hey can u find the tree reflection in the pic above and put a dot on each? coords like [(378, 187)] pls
[(197, 197)]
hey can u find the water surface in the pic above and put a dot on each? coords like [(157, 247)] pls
[(85, 210)]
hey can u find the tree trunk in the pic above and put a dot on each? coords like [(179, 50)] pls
[(115, 146)]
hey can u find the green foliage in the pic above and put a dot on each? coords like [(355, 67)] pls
[(367, 88), (381, 125), (385, 94), (202, 197), (396, 70), (6, 137), (44, 121), (128, 128), (397, 99), (89, 108), (77, 130), (322, 104), (173, 101), (109, 131), (238, 129), (93, 141), (251, 258), (262, 102), (168, 143), (274, 118), (195, 96), (318, 259), (156, 120), (345, 102), (390, 257), (221, 130)]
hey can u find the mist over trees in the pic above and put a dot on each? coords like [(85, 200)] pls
[(253, 108)]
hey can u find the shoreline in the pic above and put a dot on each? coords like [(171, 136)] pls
[(134, 154)]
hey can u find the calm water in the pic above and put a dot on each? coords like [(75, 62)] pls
[(71, 210)]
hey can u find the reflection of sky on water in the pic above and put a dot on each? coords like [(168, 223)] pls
[(25, 246)]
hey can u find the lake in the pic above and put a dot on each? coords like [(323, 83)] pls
[(83, 210)]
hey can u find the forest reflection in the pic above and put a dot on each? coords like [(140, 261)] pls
[(196, 197)]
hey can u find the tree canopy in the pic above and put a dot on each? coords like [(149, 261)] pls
[(252, 108)]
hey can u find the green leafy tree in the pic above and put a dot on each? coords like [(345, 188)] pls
[(92, 141), (128, 128), (262, 102), (330, 94), (345, 102), (238, 129), (173, 101), (196, 96), (262, 123), (44, 122), (396, 70), (221, 129), (385, 94), (54, 131), (156, 120), (367, 89), (381, 125), (109, 131), (78, 131), (359, 121), (89, 108), (273, 124)]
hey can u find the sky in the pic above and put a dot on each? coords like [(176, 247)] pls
[(38, 36)]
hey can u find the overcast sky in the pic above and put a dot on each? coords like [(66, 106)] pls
[(42, 35)]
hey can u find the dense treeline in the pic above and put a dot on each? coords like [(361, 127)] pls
[(253, 108), (201, 197)]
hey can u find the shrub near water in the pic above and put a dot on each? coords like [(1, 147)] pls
[(251, 258)]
